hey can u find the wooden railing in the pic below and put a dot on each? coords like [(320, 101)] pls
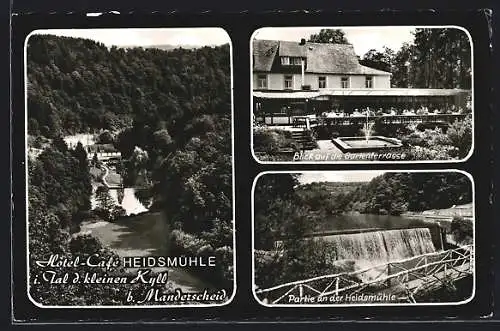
[(409, 275)]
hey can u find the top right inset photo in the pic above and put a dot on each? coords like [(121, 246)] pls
[(391, 94)]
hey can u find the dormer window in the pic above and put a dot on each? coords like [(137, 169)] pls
[(291, 60)]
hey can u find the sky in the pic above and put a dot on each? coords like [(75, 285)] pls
[(338, 176), (147, 37), (362, 38)]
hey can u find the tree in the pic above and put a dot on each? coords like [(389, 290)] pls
[(105, 138), (440, 58), (95, 160), (330, 36), (162, 140), (120, 195), (401, 67), (137, 166), (33, 127), (274, 197), (60, 144), (80, 154), (105, 203), (379, 60)]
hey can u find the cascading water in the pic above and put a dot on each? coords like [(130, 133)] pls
[(351, 252), (380, 246), (401, 244)]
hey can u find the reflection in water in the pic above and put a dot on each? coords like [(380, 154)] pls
[(129, 202), (143, 235), (364, 221)]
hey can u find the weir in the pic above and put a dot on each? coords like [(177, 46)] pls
[(380, 246)]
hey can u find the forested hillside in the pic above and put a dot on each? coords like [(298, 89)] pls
[(395, 193), (77, 85), (391, 193)]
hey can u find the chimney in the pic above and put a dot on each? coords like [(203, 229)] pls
[(302, 42)]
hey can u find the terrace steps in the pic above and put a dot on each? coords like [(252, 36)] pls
[(304, 139)]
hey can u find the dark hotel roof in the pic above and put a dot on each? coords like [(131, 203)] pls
[(321, 58)]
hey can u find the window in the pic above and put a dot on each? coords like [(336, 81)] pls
[(285, 60), (262, 81), (288, 82), (344, 82), (369, 82), (322, 82), (296, 61)]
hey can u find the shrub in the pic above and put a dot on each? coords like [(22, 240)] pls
[(462, 230), (273, 141), (183, 243), (459, 135)]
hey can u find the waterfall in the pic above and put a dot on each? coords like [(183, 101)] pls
[(377, 247), (401, 244)]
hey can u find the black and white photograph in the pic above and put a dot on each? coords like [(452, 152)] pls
[(336, 238), (362, 94), (129, 167)]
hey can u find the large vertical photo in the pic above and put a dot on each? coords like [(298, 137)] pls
[(363, 238), (362, 94), (129, 167)]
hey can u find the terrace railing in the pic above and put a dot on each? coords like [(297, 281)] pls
[(392, 119)]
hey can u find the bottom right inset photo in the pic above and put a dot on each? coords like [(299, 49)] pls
[(339, 238)]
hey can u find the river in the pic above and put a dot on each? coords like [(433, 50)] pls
[(141, 234), (364, 221)]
